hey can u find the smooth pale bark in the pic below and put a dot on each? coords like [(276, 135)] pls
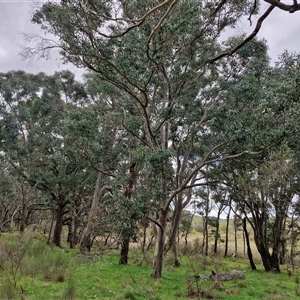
[(87, 239), (145, 224), (176, 221), (180, 204), (158, 257)]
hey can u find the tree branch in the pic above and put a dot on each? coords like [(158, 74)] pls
[(285, 7), (249, 38)]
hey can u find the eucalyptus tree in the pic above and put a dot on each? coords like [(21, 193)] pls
[(264, 186), (18, 95), (33, 108), (267, 195), (116, 207), (9, 199), (221, 203), (154, 53)]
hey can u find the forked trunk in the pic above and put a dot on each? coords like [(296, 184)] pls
[(176, 220), (270, 262), (87, 239), (144, 248), (158, 257)]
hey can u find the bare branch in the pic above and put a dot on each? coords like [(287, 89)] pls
[(156, 223), (136, 22), (252, 12), (285, 7), (249, 38)]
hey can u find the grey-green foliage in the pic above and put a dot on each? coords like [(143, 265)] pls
[(37, 147), (157, 69), (33, 108), (264, 104), (261, 104)]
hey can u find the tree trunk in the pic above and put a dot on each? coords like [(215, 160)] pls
[(72, 227), (158, 257), (217, 231), (294, 236), (227, 231), (51, 227), (249, 252), (206, 236), (176, 254), (59, 212), (143, 246), (235, 235), (244, 245), (270, 262), (87, 239), (23, 213), (266, 259), (153, 237), (124, 251), (176, 220)]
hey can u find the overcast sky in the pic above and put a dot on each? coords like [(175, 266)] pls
[(281, 30)]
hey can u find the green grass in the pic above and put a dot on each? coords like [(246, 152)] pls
[(45, 273)]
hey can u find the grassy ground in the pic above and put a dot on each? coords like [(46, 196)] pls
[(29, 269)]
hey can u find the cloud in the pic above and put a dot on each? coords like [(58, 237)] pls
[(280, 29), (15, 20)]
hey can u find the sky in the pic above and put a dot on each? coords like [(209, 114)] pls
[(280, 29)]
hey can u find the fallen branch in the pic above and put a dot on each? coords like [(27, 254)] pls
[(233, 274)]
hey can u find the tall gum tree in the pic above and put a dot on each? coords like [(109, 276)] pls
[(155, 53), (33, 141), (264, 187)]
